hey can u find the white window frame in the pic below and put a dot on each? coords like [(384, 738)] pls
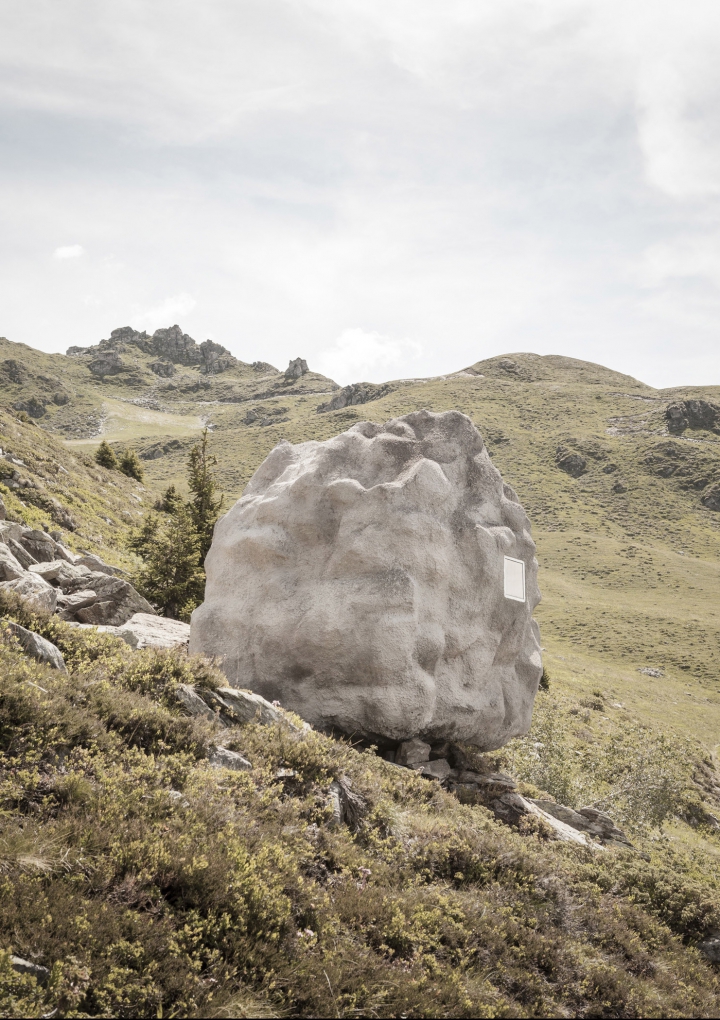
[(508, 595)]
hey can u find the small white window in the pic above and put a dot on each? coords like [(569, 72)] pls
[(514, 579)]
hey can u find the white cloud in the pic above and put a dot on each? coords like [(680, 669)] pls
[(166, 313), (69, 251), (360, 355)]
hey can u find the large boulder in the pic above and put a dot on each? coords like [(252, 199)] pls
[(381, 583)]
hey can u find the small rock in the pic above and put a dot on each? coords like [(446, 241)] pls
[(39, 545), (347, 806), (572, 463), (144, 630), (36, 646), (437, 769), (245, 707), (223, 757), (8, 529), (24, 558), (95, 563), (10, 569), (38, 592), (193, 703), (412, 752), (41, 974), (649, 671)]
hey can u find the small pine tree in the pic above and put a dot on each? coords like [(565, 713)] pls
[(170, 502), (105, 457), (130, 465), (205, 505), (171, 577)]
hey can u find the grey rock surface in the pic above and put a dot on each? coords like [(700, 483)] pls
[(38, 544), (412, 752), (296, 369), (36, 646), (223, 757), (146, 630), (359, 581), (41, 974), (38, 592), (9, 566), (116, 600), (193, 703)]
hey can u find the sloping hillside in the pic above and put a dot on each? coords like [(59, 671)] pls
[(149, 881)]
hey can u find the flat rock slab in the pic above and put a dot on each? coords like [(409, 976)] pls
[(380, 583), (143, 630)]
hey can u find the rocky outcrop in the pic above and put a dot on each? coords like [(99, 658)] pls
[(296, 369), (356, 393), (171, 345), (693, 414), (81, 588), (382, 584)]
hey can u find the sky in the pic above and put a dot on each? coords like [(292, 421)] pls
[(386, 188)]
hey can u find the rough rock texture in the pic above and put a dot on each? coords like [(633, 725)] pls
[(36, 646), (359, 581), (296, 369), (9, 566), (143, 630), (355, 393), (37, 591), (694, 414)]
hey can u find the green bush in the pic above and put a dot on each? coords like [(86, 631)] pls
[(130, 465), (105, 457)]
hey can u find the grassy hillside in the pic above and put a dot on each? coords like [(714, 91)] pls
[(148, 882), (630, 565)]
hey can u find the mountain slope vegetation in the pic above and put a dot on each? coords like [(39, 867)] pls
[(426, 907)]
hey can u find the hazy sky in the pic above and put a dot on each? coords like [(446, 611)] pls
[(386, 188)]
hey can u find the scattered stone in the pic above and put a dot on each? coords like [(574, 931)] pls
[(619, 486), (24, 558), (116, 600), (412, 752), (38, 592), (246, 707), (68, 605), (193, 703), (38, 544), (41, 974), (93, 562), (390, 544), (9, 566), (649, 671), (572, 463), (224, 758), (59, 573), (296, 369), (165, 369), (36, 646), (348, 807), (8, 530), (145, 630), (437, 769)]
